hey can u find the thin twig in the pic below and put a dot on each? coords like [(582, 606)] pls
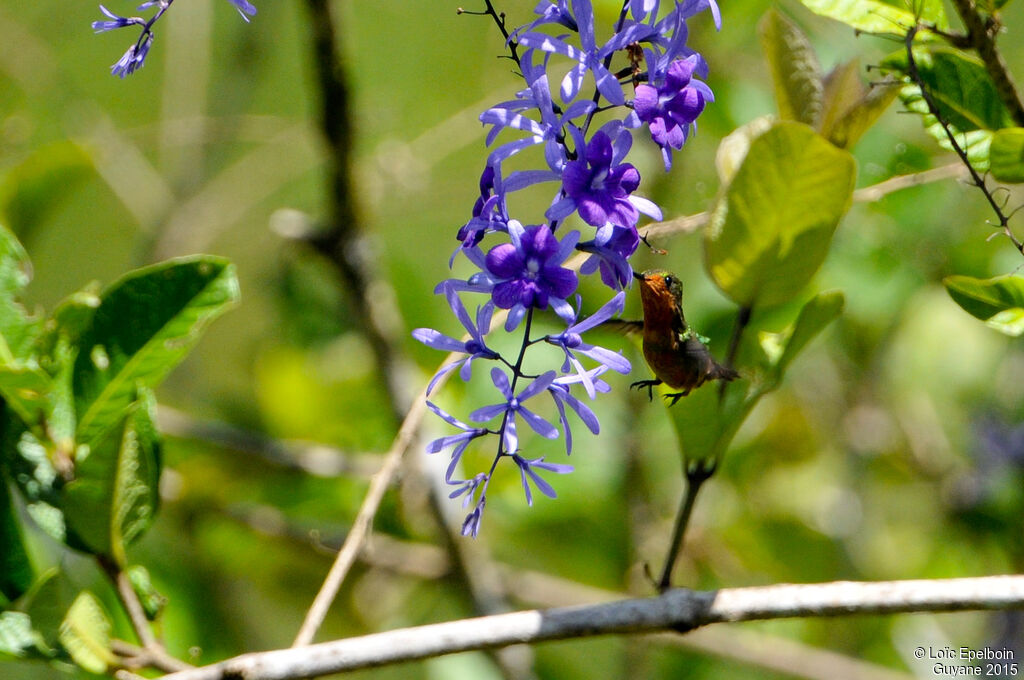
[(153, 651), (319, 460), (675, 609), (697, 472), (876, 192), (133, 656), (361, 525), (933, 109), (130, 601)]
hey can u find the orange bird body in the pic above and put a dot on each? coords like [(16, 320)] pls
[(677, 356)]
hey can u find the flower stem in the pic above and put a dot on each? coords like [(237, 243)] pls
[(697, 473)]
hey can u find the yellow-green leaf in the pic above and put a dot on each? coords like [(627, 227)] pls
[(796, 74), (772, 227), (85, 634), (999, 302), (1006, 155)]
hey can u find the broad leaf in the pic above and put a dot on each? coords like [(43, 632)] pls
[(152, 600), (796, 74), (959, 85), (115, 492), (17, 639), (782, 348), (999, 302), (1006, 155), (734, 146), (39, 470), (145, 325), (17, 329), (869, 16), (15, 567), (47, 603), (705, 425), (851, 108), (85, 634), (771, 229), (25, 388)]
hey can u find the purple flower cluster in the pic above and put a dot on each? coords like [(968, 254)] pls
[(526, 272), (135, 57)]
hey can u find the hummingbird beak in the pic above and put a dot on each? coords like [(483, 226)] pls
[(638, 276)]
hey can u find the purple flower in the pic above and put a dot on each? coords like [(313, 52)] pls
[(528, 471), (134, 58), (244, 8), (590, 57), (599, 186), (640, 8), (527, 272), (670, 109), (474, 348), (559, 391), (116, 21), (471, 525), (571, 343), (512, 406), (460, 441), (610, 250), (549, 130), (489, 212), (550, 13)]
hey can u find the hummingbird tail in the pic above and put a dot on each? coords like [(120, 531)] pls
[(720, 372)]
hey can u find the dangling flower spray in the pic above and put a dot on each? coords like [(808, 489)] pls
[(520, 264)]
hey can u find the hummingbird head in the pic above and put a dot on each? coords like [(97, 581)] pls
[(658, 283), (661, 293)]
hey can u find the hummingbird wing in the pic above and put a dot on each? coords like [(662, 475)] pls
[(624, 326)]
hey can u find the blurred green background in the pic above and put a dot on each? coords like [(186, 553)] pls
[(894, 449)]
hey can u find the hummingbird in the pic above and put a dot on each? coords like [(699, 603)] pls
[(677, 355)]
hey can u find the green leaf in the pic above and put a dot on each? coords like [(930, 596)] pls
[(25, 388), (115, 492), (706, 425), (782, 348), (17, 330), (146, 323), (958, 83), (1006, 155), (851, 108), (33, 464), (734, 146), (999, 302), (15, 567), (152, 600), (17, 638), (85, 634), (796, 73), (869, 16), (47, 603), (35, 186), (771, 229)]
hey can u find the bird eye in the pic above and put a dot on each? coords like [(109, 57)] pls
[(669, 280)]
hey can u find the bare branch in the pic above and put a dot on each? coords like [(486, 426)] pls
[(319, 460), (675, 609)]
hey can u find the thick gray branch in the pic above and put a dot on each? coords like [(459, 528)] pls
[(678, 609)]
